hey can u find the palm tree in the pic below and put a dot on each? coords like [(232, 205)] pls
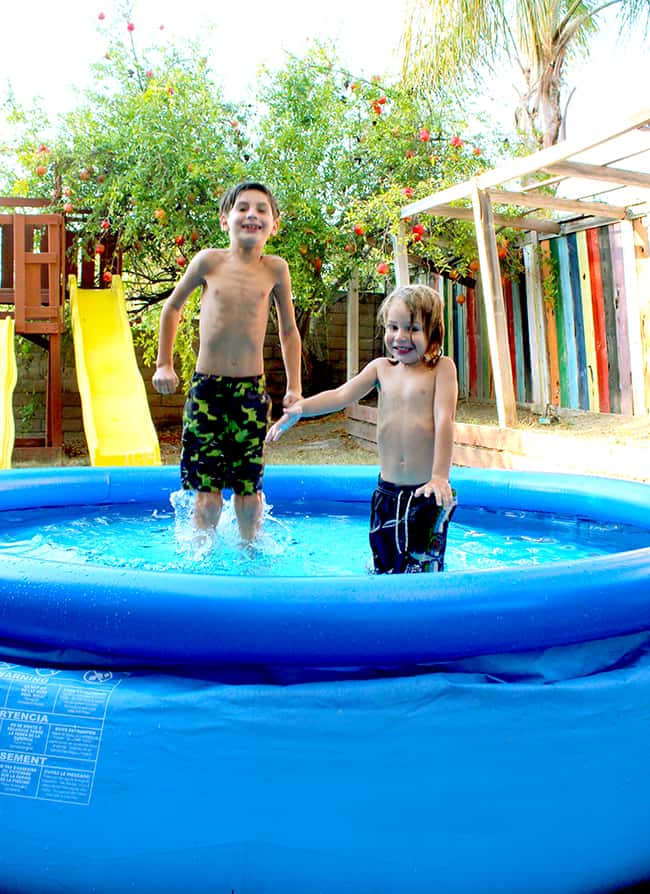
[(445, 37)]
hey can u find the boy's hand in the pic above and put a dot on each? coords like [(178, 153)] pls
[(290, 398), (165, 380), (290, 416), (438, 487)]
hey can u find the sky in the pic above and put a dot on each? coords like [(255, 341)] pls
[(237, 39)]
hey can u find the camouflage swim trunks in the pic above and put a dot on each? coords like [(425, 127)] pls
[(224, 426)]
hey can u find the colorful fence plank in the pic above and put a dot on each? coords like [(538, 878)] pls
[(634, 303), (522, 342), (588, 321), (609, 303), (551, 325), (598, 311), (487, 381), (460, 322), (642, 273), (533, 301), (458, 336), (472, 345), (620, 304), (565, 327), (575, 299)]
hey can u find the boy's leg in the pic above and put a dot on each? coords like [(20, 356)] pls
[(207, 509), (202, 462), (248, 509), (249, 413), (427, 528), (386, 555)]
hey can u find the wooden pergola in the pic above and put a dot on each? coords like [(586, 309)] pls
[(602, 178)]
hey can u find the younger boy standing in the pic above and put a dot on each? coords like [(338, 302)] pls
[(418, 390), (227, 408)]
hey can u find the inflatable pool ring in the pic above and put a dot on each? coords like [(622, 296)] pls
[(470, 731)]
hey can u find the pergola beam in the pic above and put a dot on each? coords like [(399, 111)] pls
[(457, 212), (600, 172), (542, 200)]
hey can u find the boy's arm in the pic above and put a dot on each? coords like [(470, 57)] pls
[(165, 380), (290, 341), (444, 412), (328, 401)]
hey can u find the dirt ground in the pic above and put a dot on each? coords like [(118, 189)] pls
[(321, 441), (573, 423), (324, 440)]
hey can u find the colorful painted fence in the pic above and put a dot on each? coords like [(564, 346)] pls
[(466, 338), (576, 342)]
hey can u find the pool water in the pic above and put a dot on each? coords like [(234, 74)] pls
[(296, 541)]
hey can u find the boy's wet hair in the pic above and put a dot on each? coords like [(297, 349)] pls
[(426, 302), (229, 198)]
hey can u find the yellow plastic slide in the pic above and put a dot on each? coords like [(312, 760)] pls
[(116, 416), (8, 374)]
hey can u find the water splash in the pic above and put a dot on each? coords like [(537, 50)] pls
[(216, 548)]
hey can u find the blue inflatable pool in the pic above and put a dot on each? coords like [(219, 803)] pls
[(471, 731)]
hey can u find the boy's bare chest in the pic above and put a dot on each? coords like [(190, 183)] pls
[(234, 296), (406, 390), (227, 304), (248, 284)]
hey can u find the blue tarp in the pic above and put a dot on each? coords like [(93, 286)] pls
[(438, 782)]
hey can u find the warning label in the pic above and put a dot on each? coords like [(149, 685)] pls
[(51, 726)]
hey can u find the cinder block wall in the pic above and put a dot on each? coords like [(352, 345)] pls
[(324, 367)]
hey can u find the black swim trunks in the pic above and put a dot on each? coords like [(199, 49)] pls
[(224, 426), (407, 533)]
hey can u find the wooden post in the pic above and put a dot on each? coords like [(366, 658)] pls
[(642, 254), (54, 395), (352, 362), (401, 256), (634, 303), (495, 311), (20, 283), (7, 262)]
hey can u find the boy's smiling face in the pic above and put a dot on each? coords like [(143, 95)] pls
[(250, 220), (404, 338)]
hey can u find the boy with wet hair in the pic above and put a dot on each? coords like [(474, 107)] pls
[(226, 413), (418, 391)]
